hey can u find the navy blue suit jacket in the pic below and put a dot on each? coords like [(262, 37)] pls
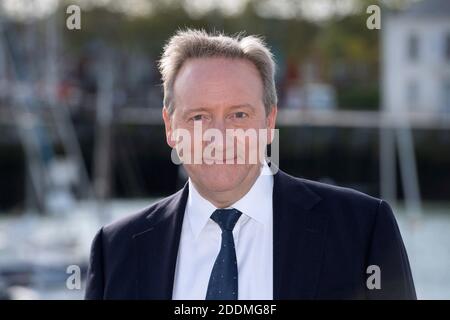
[(324, 239)]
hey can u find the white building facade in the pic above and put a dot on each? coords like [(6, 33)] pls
[(415, 58)]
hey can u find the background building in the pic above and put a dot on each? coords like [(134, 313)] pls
[(416, 57)]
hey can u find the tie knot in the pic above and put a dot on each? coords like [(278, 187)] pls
[(226, 218)]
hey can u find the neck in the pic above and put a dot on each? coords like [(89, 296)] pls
[(224, 199)]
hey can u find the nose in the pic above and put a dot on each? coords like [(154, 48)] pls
[(219, 124), (219, 136)]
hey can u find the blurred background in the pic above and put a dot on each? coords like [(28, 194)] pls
[(82, 140)]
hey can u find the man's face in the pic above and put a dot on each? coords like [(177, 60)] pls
[(223, 94)]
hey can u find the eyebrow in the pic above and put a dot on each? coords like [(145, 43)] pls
[(196, 110), (245, 105), (203, 109)]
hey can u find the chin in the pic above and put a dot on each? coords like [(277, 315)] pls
[(218, 178)]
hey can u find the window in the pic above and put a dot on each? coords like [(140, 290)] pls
[(412, 95), (413, 47), (447, 47)]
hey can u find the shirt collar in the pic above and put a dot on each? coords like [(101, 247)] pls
[(199, 210), (256, 203)]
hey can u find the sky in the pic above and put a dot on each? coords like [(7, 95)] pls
[(312, 9)]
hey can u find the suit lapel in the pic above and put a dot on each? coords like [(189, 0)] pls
[(298, 238), (299, 234), (156, 248)]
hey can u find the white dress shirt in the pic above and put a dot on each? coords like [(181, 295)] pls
[(253, 236)]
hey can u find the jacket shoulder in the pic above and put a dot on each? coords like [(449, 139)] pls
[(335, 200), (340, 194), (138, 222)]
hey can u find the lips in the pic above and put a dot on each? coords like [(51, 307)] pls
[(224, 160)]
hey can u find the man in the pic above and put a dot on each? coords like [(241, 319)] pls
[(234, 231)]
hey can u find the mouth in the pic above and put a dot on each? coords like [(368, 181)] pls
[(231, 160)]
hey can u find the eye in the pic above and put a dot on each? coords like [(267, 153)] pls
[(240, 115), (197, 117)]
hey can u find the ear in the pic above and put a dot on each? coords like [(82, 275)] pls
[(168, 126), (270, 123)]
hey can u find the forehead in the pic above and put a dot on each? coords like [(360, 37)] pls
[(217, 81)]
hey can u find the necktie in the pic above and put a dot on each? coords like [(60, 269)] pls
[(223, 282)]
